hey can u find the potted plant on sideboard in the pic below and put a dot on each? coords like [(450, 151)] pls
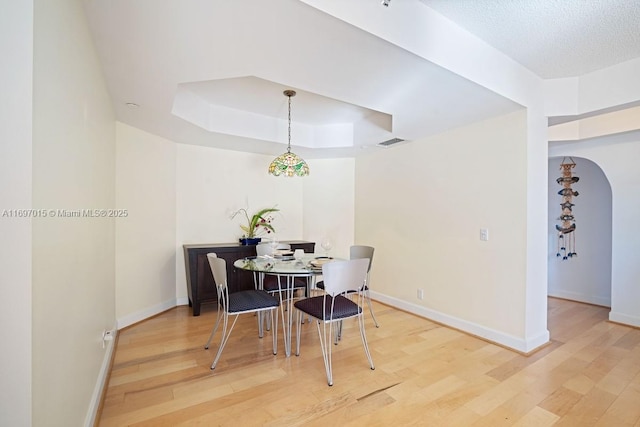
[(256, 225)]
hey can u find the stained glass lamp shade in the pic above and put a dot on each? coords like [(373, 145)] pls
[(289, 164)]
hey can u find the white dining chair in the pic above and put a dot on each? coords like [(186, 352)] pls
[(272, 283), (334, 306), (357, 252), (237, 303)]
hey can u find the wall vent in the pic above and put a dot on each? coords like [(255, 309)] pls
[(390, 142)]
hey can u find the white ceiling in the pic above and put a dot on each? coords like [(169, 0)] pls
[(212, 72), (552, 38)]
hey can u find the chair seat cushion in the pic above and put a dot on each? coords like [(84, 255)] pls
[(343, 307), (251, 300)]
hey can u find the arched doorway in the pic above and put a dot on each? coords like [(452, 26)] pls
[(587, 276)]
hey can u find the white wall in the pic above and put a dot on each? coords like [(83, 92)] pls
[(586, 277), (145, 239), (536, 332), (73, 258), (212, 184), (329, 209), (16, 48), (177, 194), (422, 206), (617, 157)]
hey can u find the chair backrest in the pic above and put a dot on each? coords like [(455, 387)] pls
[(264, 248), (360, 251), (219, 269), (344, 276)]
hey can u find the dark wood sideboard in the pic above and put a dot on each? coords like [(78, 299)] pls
[(200, 285)]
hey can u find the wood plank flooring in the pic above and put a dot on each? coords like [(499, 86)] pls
[(426, 375)]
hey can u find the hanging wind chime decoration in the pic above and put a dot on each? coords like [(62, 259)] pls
[(566, 230)]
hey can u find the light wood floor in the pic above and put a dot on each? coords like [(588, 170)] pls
[(426, 375)]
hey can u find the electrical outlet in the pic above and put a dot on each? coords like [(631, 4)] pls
[(420, 294), (107, 335), (484, 234)]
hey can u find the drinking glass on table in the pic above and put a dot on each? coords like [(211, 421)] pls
[(298, 254), (274, 245), (326, 245)]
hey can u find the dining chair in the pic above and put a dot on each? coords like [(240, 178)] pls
[(357, 252), (265, 249), (284, 288), (330, 309), (269, 281), (237, 303)]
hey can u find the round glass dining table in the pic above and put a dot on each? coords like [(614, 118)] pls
[(286, 269)]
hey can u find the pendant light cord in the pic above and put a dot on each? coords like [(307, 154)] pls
[(289, 142)]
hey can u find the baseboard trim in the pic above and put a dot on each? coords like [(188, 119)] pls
[(575, 296), (520, 345), (624, 319), (95, 404), (141, 315), (105, 369)]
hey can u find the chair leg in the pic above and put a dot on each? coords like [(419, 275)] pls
[(325, 345), (215, 328), (258, 279), (274, 333), (326, 338), (363, 336), (373, 316), (298, 327), (338, 333), (225, 338), (260, 317)]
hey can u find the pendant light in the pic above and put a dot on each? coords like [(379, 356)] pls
[(289, 164)]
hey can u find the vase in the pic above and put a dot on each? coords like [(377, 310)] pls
[(247, 241)]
